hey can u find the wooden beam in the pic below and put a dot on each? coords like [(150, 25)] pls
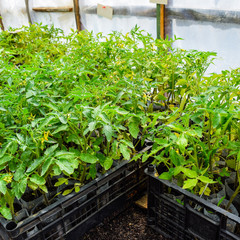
[(27, 10), (52, 9), (77, 14), (204, 15), (1, 23), (126, 11)]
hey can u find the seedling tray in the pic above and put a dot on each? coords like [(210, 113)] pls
[(178, 214), (76, 213)]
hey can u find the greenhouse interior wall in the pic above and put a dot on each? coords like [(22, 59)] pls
[(203, 25)]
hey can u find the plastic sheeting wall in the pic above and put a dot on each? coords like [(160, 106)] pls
[(203, 34), (14, 14), (123, 23)]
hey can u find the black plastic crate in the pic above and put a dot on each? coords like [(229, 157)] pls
[(178, 214), (76, 213)]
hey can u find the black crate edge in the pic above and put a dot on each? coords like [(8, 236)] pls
[(183, 221), (76, 213)]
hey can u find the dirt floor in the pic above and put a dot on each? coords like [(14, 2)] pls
[(129, 225)]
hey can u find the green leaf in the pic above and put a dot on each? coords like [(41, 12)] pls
[(14, 147), (61, 181), (134, 127), (205, 179), (3, 187), (145, 157), (6, 212), (60, 129), (108, 163), (4, 149), (46, 122), (92, 126), (166, 176), (32, 185), (5, 159), (216, 120), (108, 131), (182, 142), (19, 172), (88, 158), (189, 173), (46, 165), (68, 191), (23, 185), (35, 164), (65, 155), (44, 188), (50, 150), (188, 184), (30, 93), (128, 143), (35, 178), (65, 166), (125, 151)]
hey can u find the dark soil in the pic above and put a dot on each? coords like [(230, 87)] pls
[(129, 225)]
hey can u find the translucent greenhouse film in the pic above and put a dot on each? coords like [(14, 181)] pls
[(208, 25)]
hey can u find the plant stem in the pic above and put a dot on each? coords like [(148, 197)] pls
[(233, 196)]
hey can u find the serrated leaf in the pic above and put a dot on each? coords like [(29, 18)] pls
[(134, 127), (61, 181), (4, 149), (32, 185), (128, 143), (205, 179), (60, 129), (88, 158), (92, 126), (3, 187), (35, 164), (65, 166), (108, 163), (65, 155), (50, 150), (182, 142), (46, 122), (216, 120), (35, 178), (108, 132), (44, 188), (6, 212), (46, 165), (5, 159), (19, 172), (189, 173), (23, 185), (125, 151), (145, 157), (166, 176), (14, 147), (188, 184)]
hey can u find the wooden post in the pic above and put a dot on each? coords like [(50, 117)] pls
[(77, 14), (28, 13), (1, 23), (160, 21)]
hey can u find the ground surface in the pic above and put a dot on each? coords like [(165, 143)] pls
[(129, 225)]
